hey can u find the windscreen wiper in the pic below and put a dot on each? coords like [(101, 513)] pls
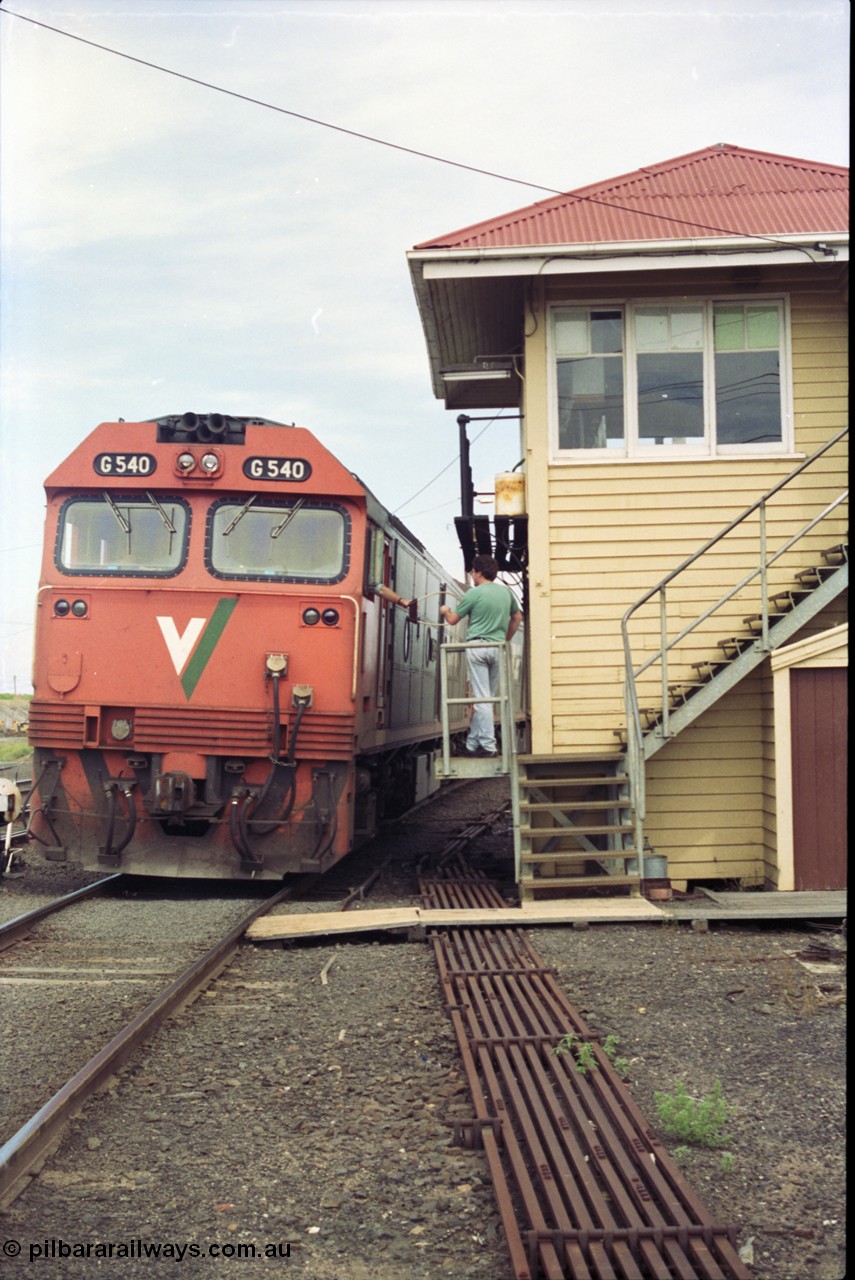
[(274, 533), (240, 515)]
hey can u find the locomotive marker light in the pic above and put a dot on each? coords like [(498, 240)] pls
[(185, 463), (62, 608), (211, 463)]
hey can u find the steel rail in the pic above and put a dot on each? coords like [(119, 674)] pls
[(13, 930), (583, 1185), (27, 1150)]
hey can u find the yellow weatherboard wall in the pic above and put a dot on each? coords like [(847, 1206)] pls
[(603, 533)]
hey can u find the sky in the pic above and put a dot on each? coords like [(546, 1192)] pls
[(169, 247)]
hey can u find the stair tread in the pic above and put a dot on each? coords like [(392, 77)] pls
[(580, 806), (610, 855), (603, 780), (587, 830), (583, 757), (580, 882)]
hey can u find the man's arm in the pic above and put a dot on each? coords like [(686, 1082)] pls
[(513, 625), (446, 612)]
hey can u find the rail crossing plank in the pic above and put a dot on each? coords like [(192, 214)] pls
[(322, 923)]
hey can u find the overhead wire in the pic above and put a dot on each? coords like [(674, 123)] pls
[(395, 146), (424, 155)]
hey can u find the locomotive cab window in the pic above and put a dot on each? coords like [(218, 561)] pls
[(262, 539), (142, 535)]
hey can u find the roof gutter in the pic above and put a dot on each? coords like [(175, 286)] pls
[(647, 255)]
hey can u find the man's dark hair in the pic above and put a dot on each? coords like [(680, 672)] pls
[(486, 566)]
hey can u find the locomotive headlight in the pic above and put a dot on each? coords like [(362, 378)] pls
[(209, 462), (185, 462), (62, 608), (120, 729), (329, 617), (80, 608), (311, 617)]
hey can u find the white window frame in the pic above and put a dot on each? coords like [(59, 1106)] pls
[(703, 448)]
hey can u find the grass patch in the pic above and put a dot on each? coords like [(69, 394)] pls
[(12, 752), (695, 1120)]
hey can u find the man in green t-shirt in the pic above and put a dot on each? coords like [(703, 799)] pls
[(493, 614)]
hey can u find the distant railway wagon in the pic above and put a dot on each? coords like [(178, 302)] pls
[(225, 681)]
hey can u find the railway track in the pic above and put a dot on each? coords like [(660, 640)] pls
[(582, 1184), (24, 1153), (21, 926)]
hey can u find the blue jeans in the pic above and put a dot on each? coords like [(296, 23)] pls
[(483, 668)]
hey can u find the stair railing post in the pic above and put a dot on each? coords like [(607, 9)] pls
[(764, 580), (663, 640), (446, 731)]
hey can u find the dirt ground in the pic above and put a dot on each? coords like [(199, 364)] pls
[(287, 1105)]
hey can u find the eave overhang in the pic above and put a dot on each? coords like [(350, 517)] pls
[(471, 300)]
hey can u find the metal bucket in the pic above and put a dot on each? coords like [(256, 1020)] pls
[(655, 866)]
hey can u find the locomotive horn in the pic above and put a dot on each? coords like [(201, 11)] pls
[(211, 427)]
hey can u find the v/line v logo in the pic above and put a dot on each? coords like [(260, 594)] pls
[(198, 638)]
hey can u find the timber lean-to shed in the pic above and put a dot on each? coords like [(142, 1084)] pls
[(675, 342)]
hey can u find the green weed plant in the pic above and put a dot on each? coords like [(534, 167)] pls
[(694, 1120)]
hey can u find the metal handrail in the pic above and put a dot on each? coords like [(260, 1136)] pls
[(635, 764), (504, 698)]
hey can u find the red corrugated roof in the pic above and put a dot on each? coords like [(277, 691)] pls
[(720, 191)]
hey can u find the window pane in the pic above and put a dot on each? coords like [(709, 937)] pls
[(687, 329), (651, 329), (130, 537), (729, 329), (310, 546), (762, 327), (571, 333), (590, 403), (670, 398), (748, 397), (606, 331)]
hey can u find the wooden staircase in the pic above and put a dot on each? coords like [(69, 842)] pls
[(575, 824)]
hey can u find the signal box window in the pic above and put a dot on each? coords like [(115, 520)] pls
[(700, 379), (288, 542), (589, 346), (142, 536)]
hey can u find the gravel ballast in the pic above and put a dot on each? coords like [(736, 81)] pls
[(305, 1103)]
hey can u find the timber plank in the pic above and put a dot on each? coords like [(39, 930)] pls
[(319, 924)]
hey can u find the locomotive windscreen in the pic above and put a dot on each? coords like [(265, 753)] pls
[(298, 541)]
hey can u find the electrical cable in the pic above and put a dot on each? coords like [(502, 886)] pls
[(396, 146)]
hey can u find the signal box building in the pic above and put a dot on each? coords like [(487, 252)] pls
[(674, 341)]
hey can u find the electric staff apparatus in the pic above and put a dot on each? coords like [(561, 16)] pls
[(225, 682)]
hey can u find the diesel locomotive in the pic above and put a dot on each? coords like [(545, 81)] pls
[(226, 683)]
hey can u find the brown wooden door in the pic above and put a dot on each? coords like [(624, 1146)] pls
[(819, 725)]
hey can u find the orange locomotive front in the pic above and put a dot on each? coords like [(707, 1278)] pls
[(221, 689)]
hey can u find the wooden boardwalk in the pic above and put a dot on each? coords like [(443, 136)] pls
[(710, 906), (762, 905)]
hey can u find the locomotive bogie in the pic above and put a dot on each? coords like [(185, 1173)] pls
[(220, 687)]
